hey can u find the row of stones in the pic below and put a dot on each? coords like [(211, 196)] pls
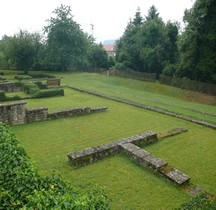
[(151, 108), (144, 158), (130, 146)]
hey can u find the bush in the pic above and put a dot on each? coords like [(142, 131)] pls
[(31, 88), (41, 75), (40, 85), (49, 93), (2, 96), (2, 73), (20, 77), (202, 202), (21, 186)]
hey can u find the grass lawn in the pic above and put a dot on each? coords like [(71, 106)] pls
[(147, 93), (128, 185)]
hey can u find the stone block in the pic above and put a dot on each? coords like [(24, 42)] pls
[(153, 162), (177, 177)]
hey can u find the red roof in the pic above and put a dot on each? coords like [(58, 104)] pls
[(109, 48)]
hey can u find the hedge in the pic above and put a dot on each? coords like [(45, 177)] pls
[(41, 75), (3, 97), (49, 93), (31, 88), (21, 186), (201, 201), (20, 77)]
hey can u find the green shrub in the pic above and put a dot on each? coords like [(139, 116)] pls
[(21, 77), (31, 88), (2, 95), (2, 73), (41, 75), (13, 98), (21, 186), (49, 93), (2, 78), (40, 85), (202, 202)]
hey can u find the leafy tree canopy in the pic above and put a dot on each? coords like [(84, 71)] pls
[(66, 43)]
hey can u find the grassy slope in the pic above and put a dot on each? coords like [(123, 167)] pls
[(142, 92), (127, 184)]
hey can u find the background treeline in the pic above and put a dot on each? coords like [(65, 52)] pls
[(63, 45), (147, 45), (150, 45)]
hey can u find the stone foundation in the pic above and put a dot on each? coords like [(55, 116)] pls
[(13, 113), (129, 147), (92, 154), (10, 87), (35, 115), (16, 113)]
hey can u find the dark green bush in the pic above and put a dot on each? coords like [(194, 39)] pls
[(21, 186), (31, 88), (2, 96), (201, 201), (49, 93), (41, 75), (40, 85), (13, 98), (21, 77), (2, 73), (2, 78)]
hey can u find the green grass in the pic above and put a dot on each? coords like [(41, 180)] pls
[(128, 185), (143, 92)]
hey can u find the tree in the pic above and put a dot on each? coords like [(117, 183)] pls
[(148, 45), (197, 44), (98, 56), (128, 49), (66, 43), (152, 13), (22, 49)]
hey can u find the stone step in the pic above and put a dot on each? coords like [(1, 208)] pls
[(143, 157), (177, 177)]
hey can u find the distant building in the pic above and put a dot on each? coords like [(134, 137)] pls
[(110, 49)]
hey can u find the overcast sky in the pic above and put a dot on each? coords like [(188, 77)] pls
[(109, 17)]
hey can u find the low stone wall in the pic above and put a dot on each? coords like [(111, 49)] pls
[(92, 154), (16, 113), (35, 115), (75, 112), (10, 87), (13, 113), (146, 159), (129, 147)]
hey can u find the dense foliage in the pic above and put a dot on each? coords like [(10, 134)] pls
[(21, 186), (64, 46), (197, 44), (49, 93), (201, 201), (148, 44)]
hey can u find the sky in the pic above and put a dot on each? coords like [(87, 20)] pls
[(109, 17)]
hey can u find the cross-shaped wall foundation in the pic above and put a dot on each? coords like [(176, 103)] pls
[(131, 146)]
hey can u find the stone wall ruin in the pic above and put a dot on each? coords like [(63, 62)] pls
[(16, 113), (131, 146), (10, 87)]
